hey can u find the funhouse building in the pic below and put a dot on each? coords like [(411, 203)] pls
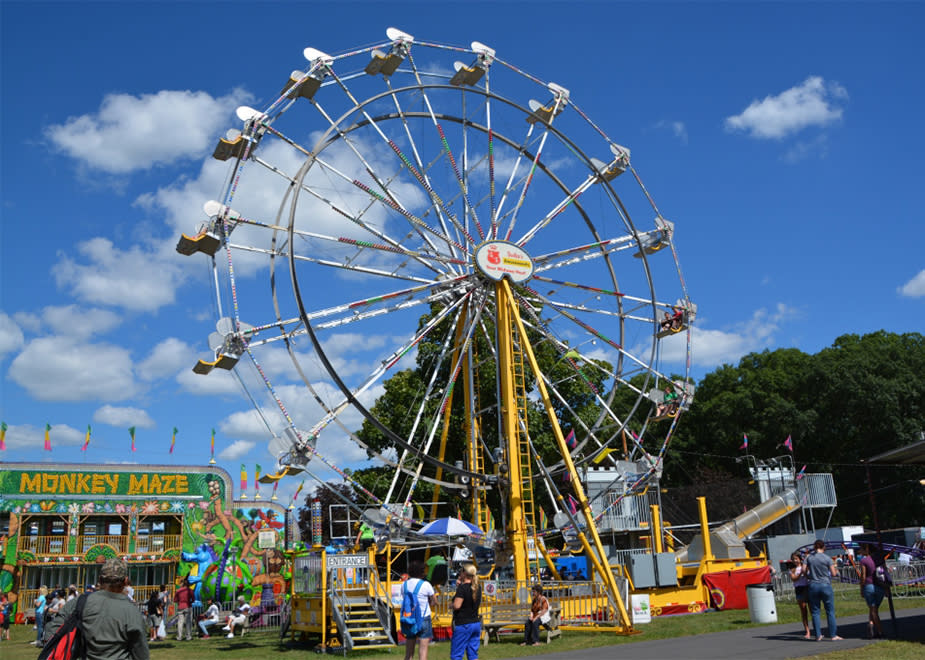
[(60, 522)]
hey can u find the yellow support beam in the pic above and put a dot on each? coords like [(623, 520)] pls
[(597, 555), (517, 533)]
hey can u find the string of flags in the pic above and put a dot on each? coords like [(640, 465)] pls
[(89, 434), (787, 444), (173, 441)]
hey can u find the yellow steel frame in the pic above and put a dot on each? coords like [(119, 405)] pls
[(509, 320)]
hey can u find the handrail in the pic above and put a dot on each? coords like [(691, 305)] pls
[(60, 544)]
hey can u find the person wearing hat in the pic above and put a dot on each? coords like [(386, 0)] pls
[(238, 617), (113, 627)]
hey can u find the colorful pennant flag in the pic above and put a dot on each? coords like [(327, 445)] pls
[(131, 432), (173, 440), (744, 442), (212, 458), (257, 481), (275, 486), (295, 495), (86, 440), (48, 437), (801, 473), (572, 505), (243, 481), (788, 443), (544, 521), (570, 440), (2, 436)]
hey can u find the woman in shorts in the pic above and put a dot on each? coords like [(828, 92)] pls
[(800, 588), (871, 592)]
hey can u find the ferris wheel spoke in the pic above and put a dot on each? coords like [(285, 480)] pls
[(356, 316), (424, 258), (580, 253), (449, 152), (425, 399), (529, 180), (455, 371), (511, 185), (416, 172), (557, 209), (388, 202), (438, 205)]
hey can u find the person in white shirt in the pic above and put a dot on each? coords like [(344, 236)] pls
[(210, 618), (238, 617), (427, 598)]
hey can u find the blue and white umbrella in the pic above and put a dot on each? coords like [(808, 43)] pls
[(449, 527)]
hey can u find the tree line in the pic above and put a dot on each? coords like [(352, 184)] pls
[(857, 398)]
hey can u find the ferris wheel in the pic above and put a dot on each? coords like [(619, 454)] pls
[(428, 252)]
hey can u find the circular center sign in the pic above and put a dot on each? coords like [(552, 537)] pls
[(499, 259)]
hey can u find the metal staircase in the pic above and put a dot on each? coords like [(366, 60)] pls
[(360, 619)]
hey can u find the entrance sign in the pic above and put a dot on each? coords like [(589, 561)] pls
[(348, 561)]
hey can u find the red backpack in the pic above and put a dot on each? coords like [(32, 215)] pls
[(68, 643)]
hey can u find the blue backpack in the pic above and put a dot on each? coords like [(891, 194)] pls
[(412, 623)]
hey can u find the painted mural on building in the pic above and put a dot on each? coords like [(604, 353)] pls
[(59, 522)]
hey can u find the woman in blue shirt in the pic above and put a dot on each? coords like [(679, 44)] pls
[(820, 569), (40, 616)]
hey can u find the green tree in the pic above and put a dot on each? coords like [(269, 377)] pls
[(853, 400)]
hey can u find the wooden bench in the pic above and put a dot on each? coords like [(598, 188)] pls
[(510, 618)]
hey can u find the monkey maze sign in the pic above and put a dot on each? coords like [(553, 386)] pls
[(48, 483)]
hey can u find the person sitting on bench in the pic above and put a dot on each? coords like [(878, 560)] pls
[(539, 614), (238, 617)]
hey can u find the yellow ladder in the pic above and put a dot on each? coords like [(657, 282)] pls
[(476, 452), (526, 458)]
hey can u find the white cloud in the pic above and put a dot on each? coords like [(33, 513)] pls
[(812, 103), (123, 416), (74, 321), (62, 369), (135, 279), (11, 337), (711, 348), (131, 133), (236, 450), (914, 288), (26, 436), (167, 358), (678, 129)]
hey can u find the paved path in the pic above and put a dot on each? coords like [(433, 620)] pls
[(773, 642)]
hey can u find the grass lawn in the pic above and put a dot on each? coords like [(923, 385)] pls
[(264, 644)]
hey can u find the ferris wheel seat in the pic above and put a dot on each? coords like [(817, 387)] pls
[(608, 172), (540, 112), (384, 63), (234, 148), (466, 75), (223, 361), (306, 90), (673, 330), (205, 242), (657, 245)]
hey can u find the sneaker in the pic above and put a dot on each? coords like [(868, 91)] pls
[(205, 637), (229, 635), (226, 628)]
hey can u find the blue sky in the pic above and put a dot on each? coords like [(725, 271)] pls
[(782, 139)]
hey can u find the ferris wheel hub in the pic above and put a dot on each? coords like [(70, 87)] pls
[(499, 259)]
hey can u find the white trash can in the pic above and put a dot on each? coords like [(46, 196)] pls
[(761, 605), (640, 612)]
